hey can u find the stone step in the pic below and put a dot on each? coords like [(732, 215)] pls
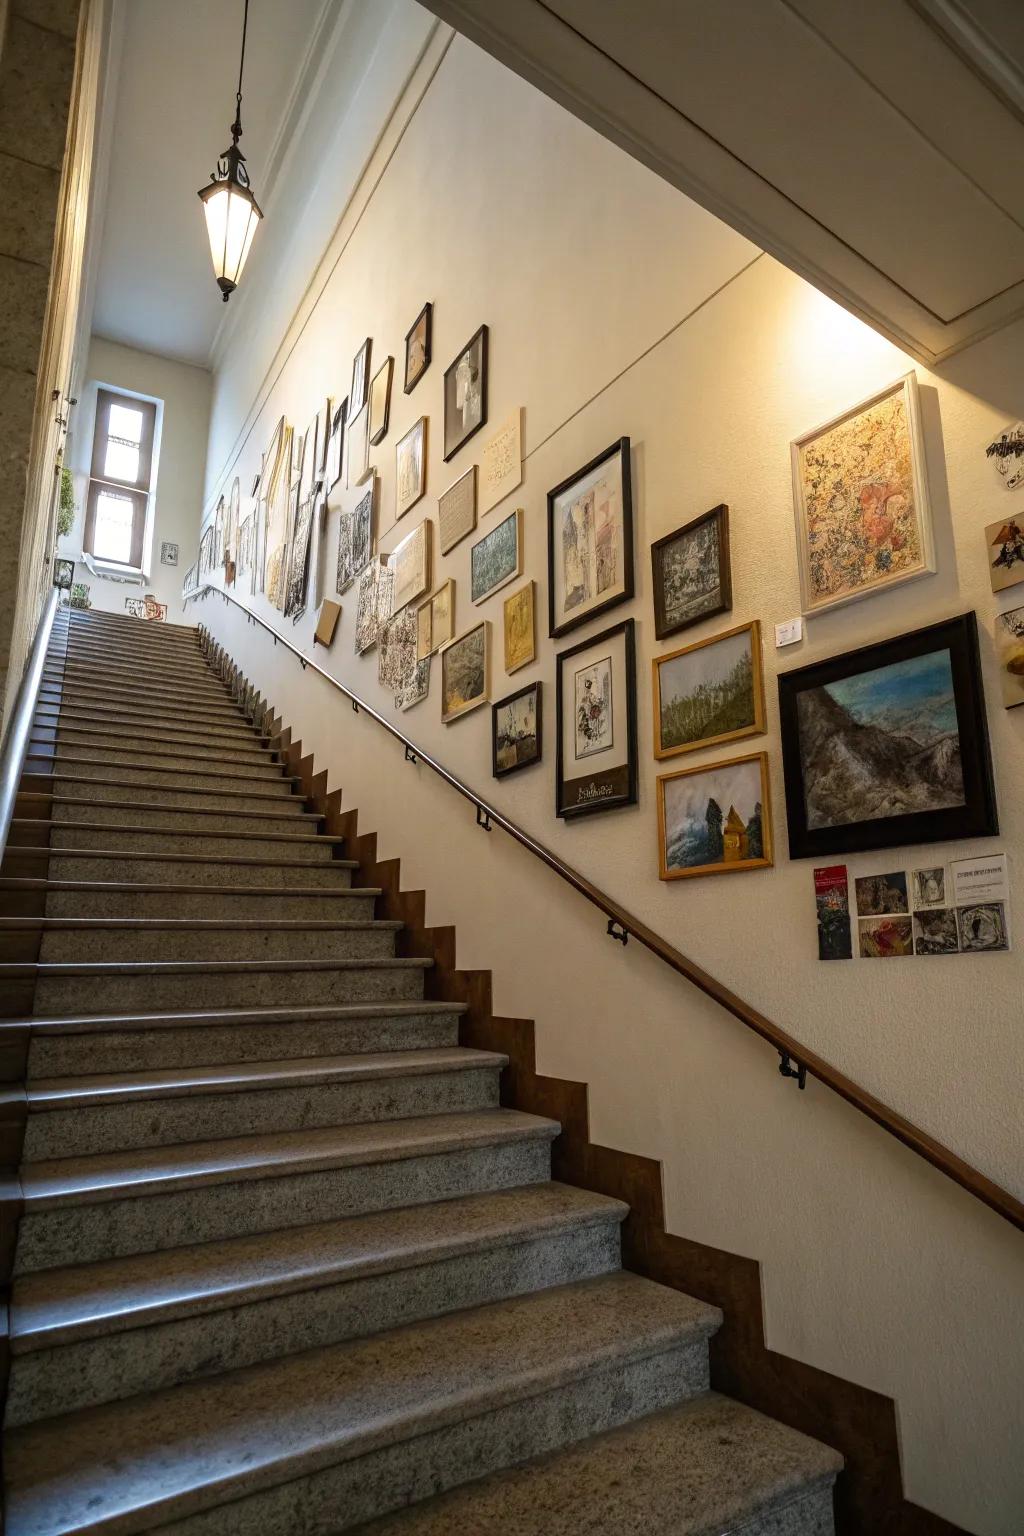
[(708, 1466), (71, 678), (69, 809), (74, 898), (150, 728), (116, 704), (257, 798), (141, 718), (117, 762), (113, 1112), (95, 647), (199, 776), (77, 1210), (154, 838), (197, 869), (358, 1427), (88, 658), (167, 742), (100, 1332), (90, 619), (213, 938)]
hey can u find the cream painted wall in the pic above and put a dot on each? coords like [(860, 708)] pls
[(617, 307)]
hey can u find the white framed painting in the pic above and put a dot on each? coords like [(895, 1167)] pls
[(410, 467), (409, 562)]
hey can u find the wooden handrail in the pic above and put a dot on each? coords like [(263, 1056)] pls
[(795, 1059)]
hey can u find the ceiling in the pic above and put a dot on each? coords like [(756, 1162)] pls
[(169, 111)]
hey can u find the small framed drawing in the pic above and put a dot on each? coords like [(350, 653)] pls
[(596, 748), (368, 605), (362, 527), (497, 558), (709, 692), (465, 394), (360, 379), (590, 540), (501, 463), (357, 459), (520, 629), (168, 553), (888, 745), (417, 348), (516, 731), (456, 511), (435, 621), (1010, 651), (380, 402), (410, 467), (409, 563), (715, 819), (335, 445), (465, 672), (691, 573), (1005, 543), (860, 493)]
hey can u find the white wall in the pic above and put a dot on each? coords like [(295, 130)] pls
[(599, 286)]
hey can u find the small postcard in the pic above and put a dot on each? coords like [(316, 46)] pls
[(935, 932), (928, 887), (832, 898), (983, 928), (1006, 454), (879, 894), (885, 938)]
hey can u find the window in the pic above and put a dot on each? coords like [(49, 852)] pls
[(119, 485)]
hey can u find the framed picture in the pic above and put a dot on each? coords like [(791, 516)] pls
[(357, 458), (298, 560), (860, 494), (466, 672), (709, 692), (1005, 543), (399, 669), (516, 731), (691, 573), (1006, 454), (497, 558), (335, 445), (380, 402), (456, 511), (355, 538), (168, 553), (360, 379), (715, 819), (64, 573), (1010, 652), (410, 467), (326, 623), (409, 563), (370, 590), (501, 463), (465, 394), (888, 744), (417, 348), (435, 621), (590, 540), (323, 432), (596, 748), (520, 629)]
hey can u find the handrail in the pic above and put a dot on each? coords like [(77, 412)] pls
[(15, 747), (795, 1060)]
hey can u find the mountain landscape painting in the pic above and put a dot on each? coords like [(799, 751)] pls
[(715, 819)]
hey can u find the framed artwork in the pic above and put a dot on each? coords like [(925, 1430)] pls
[(206, 546), (305, 468), (1006, 454), (417, 348), (168, 552), (709, 692), (691, 573), (399, 669), (409, 563), (64, 573), (298, 564), (344, 571), (327, 622), (380, 402), (276, 485), (596, 746), (466, 672), (501, 463), (191, 580), (256, 483), (860, 494), (410, 467), (1010, 653), (465, 394), (456, 511), (1005, 543), (888, 744), (497, 558), (362, 527), (323, 432), (357, 458), (360, 379), (368, 605), (335, 445), (590, 540), (435, 621), (715, 819), (520, 629), (516, 731)]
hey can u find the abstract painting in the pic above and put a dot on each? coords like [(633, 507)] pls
[(465, 394), (1006, 454), (692, 573), (709, 692), (398, 667), (520, 629), (465, 672), (298, 566), (368, 600), (497, 558), (1005, 543), (878, 895), (590, 540), (982, 927), (1010, 649), (715, 819), (516, 731)]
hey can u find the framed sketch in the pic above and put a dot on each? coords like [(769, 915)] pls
[(466, 672), (399, 669), (168, 552), (417, 348), (368, 605), (357, 459), (1006, 454), (409, 563), (465, 394), (590, 540), (596, 746), (360, 379), (362, 527), (691, 573), (456, 511), (497, 558), (501, 463), (435, 621), (715, 819), (380, 402), (298, 563), (860, 493), (1005, 543), (1010, 654), (709, 692), (888, 744), (520, 629), (335, 445), (323, 432), (410, 467), (516, 731)]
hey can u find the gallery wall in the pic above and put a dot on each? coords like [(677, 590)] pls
[(616, 307)]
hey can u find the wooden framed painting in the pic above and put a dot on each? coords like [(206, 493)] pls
[(715, 819), (691, 573), (360, 378), (409, 562), (357, 458), (465, 394), (516, 730), (520, 628), (888, 744), (380, 402), (417, 348), (410, 467), (466, 672), (497, 558), (1005, 543), (596, 745), (456, 511), (398, 667), (435, 621), (355, 537), (335, 445), (710, 692), (860, 494), (1010, 653), (590, 540), (372, 588), (501, 463)]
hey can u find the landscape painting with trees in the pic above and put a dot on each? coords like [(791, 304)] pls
[(715, 819), (709, 692)]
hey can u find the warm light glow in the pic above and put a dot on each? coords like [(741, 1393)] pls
[(231, 219)]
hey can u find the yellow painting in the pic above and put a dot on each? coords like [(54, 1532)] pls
[(277, 513), (520, 645)]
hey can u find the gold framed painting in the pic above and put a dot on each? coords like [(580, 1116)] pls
[(466, 672), (715, 819), (435, 621), (709, 692), (410, 467), (409, 562), (520, 628)]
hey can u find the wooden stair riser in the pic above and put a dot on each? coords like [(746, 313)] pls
[(122, 991), (133, 944)]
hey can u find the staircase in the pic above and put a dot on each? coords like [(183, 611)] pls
[(285, 1265)]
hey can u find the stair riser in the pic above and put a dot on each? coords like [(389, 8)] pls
[(113, 1228), (75, 944), (171, 743), (183, 819), (270, 782), (211, 846), (174, 871), (202, 904), (150, 993), (267, 801), (147, 1359), (265, 769)]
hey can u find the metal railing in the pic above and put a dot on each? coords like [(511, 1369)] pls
[(19, 729)]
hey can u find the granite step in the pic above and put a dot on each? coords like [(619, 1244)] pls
[(77, 1210), (150, 728), (87, 619), (93, 647), (90, 939), (116, 705), (706, 1467), (69, 809), (196, 869), (101, 1332), (168, 742), (156, 839), (355, 1428), (118, 763), (271, 780), (139, 750), (131, 672), (72, 679), (69, 898), (114, 791), (142, 719)]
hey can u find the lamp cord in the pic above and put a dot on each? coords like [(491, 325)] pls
[(241, 62)]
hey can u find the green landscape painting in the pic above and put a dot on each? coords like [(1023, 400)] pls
[(708, 693)]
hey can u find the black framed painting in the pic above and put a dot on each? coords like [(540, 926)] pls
[(590, 540), (691, 573), (360, 378), (380, 402), (465, 394), (516, 731), (596, 746), (888, 744), (417, 348)]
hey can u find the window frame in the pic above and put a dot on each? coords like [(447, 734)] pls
[(139, 491)]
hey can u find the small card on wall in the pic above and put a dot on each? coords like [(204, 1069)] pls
[(832, 899), (789, 633), (981, 895), (501, 468)]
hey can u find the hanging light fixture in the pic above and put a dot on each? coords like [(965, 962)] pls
[(232, 213)]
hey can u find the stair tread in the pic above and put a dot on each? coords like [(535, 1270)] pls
[(41, 969), (58, 1306), (61, 779), (31, 882), (200, 924), (95, 1023), (162, 857), (197, 1445), (158, 808), (200, 768), (698, 1469), (152, 831)]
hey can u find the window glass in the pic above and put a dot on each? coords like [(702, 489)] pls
[(121, 461), (112, 539), (125, 423)]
